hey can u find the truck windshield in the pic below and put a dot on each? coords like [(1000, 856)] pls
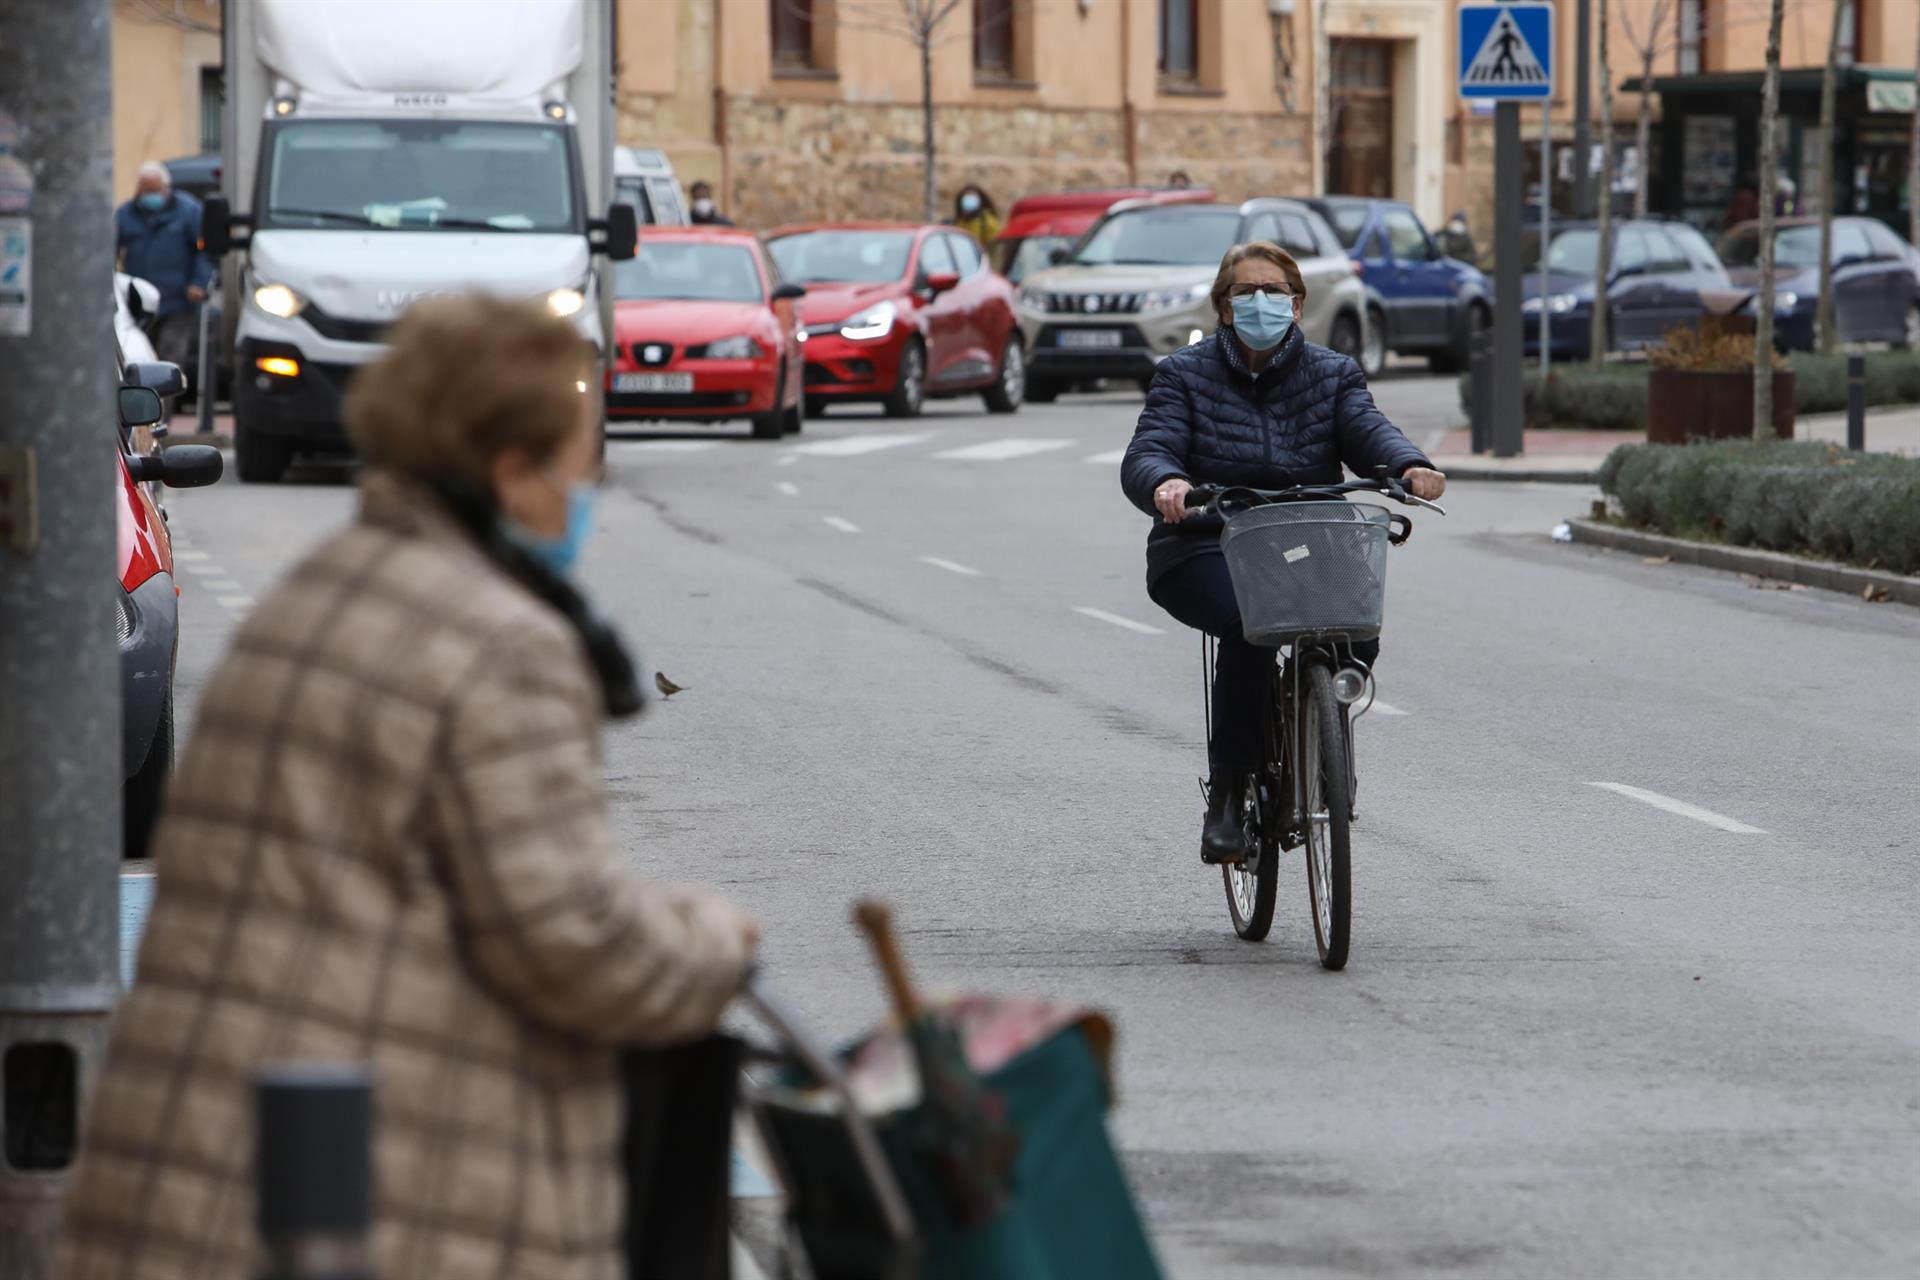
[(1165, 237), (420, 175)]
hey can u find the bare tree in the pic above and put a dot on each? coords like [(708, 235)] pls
[(1649, 46), (1599, 337), (1913, 158), (1823, 315), (921, 23), (1769, 180)]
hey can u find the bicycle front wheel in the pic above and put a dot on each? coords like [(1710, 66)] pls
[(1324, 790)]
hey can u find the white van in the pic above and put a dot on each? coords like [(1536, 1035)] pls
[(643, 177)]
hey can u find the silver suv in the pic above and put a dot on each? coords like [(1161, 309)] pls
[(1137, 288)]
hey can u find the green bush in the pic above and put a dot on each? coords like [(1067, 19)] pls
[(1614, 396), (1805, 497)]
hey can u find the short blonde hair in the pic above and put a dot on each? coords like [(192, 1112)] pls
[(465, 378), (1273, 253)]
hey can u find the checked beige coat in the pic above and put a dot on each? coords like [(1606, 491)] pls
[(388, 841)]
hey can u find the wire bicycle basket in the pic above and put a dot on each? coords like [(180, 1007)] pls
[(1306, 569)]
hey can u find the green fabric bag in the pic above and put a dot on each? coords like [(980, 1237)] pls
[(1072, 1216)]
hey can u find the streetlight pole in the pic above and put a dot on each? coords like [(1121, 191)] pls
[(1582, 111), (59, 673)]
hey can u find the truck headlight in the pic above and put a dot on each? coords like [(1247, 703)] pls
[(566, 302), (1167, 299), (278, 300), (741, 348), (874, 322)]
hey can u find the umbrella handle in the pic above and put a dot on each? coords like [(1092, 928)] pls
[(876, 921)]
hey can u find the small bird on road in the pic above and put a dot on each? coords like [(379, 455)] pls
[(666, 687)]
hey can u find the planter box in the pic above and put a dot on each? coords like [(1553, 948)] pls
[(1716, 404)]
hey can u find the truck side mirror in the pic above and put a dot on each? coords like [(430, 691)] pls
[(619, 230), (216, 225)]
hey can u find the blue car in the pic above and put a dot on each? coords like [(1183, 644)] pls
[(1876, 280), (1657, 272), (1419, 301)]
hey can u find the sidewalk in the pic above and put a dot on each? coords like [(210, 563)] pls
[(1575, 456)]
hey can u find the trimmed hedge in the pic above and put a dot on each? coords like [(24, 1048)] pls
[(1804, 497), (1614, 396)]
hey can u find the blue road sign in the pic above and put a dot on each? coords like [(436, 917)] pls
[(1506, 52)]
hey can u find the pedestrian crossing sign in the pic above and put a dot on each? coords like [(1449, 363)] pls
[(1506, 52)]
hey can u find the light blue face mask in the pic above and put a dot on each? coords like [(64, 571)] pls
[(561, 553), (151, 201), (1261, 320)]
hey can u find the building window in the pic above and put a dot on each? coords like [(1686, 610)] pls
[(1179, 39), (993, 38), (212, 96), (792, 32)]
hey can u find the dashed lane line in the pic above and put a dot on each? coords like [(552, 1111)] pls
[(841, 523), (1719, 821), (787, 487), (190, 555), (236, 602), (950, 566), (1002, 450), (226, 585), (854, 446), (1114, 619), (203, 569), (1112, 457)]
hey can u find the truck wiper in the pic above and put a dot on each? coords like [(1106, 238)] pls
[(330, 215)]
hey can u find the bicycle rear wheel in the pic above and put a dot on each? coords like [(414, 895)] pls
[(1324, 786)]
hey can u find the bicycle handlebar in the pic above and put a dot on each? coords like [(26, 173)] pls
[(1218, 498)]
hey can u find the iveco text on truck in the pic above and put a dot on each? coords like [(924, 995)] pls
[(379, 153)]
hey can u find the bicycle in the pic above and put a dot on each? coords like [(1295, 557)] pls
[(1308, 571)]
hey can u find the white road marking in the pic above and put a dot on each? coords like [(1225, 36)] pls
[(666, 446), (950, 566), (1681, 807), (1002, 450), (854, 446), (841, 523), (1109, 458), (236, 602), (1386, 708), (787, 487), (785, 460), (227, 585), (1101, 615), (190, 555), (204, 570)]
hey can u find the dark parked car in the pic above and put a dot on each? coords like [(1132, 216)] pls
[(1420, 301), (197, 176), (1876, 280), (1657, 271)]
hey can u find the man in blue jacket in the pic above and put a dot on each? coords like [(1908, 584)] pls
[(157, 238)]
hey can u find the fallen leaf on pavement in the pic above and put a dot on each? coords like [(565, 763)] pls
[(1874, 595), (1656, 560)]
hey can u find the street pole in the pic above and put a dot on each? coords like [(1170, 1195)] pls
[(1582, 122), (1509, 197), (1546, 236), (59, 670)]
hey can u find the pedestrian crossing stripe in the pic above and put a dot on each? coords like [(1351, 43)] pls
[(1506, 51)]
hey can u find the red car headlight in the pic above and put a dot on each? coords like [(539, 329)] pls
[(741, 348)]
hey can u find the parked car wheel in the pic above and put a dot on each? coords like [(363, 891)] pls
[(1009, 388), (261, 459), (1458, 358), (772, 424), (141, 794), (816, 406), (1911, 338), (910, 387), (1373, 347), (1344, 336)]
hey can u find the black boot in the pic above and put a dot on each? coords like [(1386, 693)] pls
[(1223, 835)]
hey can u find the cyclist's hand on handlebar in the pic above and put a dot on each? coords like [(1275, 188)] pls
[(1170, 499), (1424, 482)]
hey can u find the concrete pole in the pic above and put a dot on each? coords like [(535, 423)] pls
[(59, 669), (1769, 170), (1546, 238), (1582, 111), (1509, 197)]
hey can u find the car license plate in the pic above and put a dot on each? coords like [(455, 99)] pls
[(666, 382), (1089, 338)]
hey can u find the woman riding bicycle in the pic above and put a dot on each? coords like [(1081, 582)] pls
[(1256, 404)]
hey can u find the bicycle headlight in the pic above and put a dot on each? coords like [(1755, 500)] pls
[(278, 300), (874, 322), (1349, 685), (566, 302)]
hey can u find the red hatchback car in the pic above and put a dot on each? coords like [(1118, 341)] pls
[(703, 332), (897, 313)]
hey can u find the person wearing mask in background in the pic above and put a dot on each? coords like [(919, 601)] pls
[(388, 842), (1255, 404), (1456, 241), (157, 238), (1178, 178), (973, 213), (704, 214), (1745, 205), (1784, 203)]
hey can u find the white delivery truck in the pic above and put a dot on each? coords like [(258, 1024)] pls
[(378, 151)]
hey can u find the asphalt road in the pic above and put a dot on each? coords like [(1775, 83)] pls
[(1580, 1034)]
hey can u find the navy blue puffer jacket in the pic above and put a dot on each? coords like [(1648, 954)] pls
[(1208, 420)]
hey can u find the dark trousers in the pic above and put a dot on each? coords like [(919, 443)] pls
[(1199, 593)]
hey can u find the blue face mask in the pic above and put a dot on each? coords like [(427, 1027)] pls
[(969, 203), (151, 201), (561, 553), (1262, 321)]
